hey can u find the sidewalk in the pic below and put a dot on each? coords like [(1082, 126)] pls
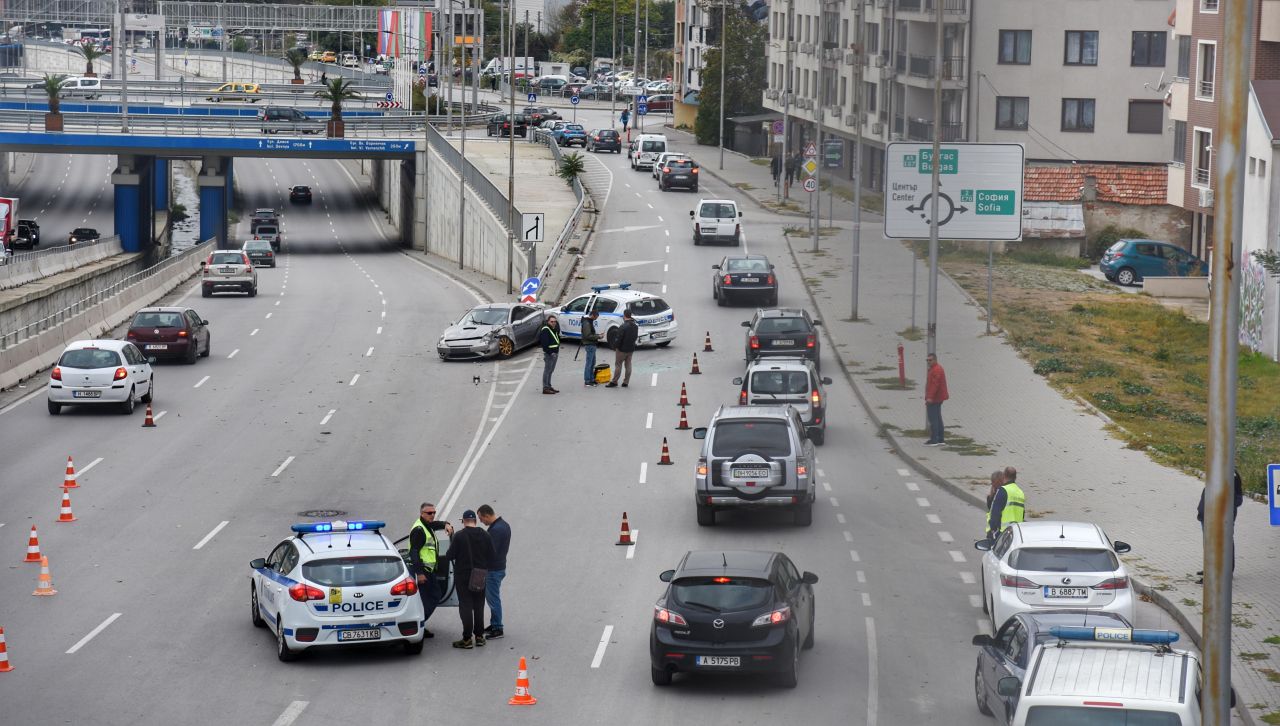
[(1001, 413)]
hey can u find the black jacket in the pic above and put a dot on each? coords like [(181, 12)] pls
[(549, 340), (589, 335), (627, 335), (1239, 499), (470, 548), (500, 535)]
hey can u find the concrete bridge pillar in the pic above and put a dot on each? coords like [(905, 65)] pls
[(134, 203), (160, 175), (215, 182)]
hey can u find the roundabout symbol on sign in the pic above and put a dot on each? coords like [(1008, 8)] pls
[(943, 201)]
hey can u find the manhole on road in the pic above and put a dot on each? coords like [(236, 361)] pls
[(321, 513)]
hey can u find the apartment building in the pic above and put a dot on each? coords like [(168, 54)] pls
[(694, 35)]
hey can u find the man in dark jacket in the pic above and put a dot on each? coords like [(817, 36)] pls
[(423, 556), (549, 339), (469, 550), (628, 332), (500, 534), (775, 168), (1238, 500), (590, 339)]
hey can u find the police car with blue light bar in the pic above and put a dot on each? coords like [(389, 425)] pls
[(654, 317), (333, 584)]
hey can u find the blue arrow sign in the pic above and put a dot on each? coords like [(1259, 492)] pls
[(573, 99), (422, 69), (533, 98), (1273, 493), (530, 286), (642, 109)]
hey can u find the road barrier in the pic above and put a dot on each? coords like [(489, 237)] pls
[(27, 266)]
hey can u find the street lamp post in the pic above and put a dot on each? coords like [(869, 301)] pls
[(613, 69), (511, 149), (724, 61), (462, 152)]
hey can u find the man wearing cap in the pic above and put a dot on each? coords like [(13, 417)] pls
[(470, 551), (424, 550), (590, 339)]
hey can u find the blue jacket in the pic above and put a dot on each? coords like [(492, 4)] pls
[(500, 533)]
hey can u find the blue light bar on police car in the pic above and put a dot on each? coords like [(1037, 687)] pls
[(338, 526), (1114, 635), (613, 286)]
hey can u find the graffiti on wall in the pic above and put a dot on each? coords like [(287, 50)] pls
[(1253, 285)]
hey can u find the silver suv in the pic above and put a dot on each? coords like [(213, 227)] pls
[(788, 381), (228, 269), (755, 456)]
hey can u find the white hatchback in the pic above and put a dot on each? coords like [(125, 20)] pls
[(99, 372), (1053, 565), (333, 584)]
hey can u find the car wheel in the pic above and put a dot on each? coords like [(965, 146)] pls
[(505, 347), (206, 292), (772, 301), (208, 344), (151, 390), (129, 404), (722, 299), (1126, 276), (697, 240), (804, 515), (980, 691), (818, 436), (737, 240), (255, 614), (790, 677), (695, 188), (611, 337), (192, 354), (282, 647), (54, 408), (253, 291), (706, 516), (808, 639), (414, 647), (660, 676)]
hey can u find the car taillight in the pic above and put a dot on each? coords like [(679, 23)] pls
[(693, 171), (666, 170), (769, 280), (121, 374), (755, 342), (816, 398), (810, 341), (781, 615), (702, 467), (664, 615), (802, 470), (271, 254), (1016, 581), (303, 592), (182, 333), (1115, 583), (407, 586), (130, 335), (742, 398), (728, 280), (56, 374)]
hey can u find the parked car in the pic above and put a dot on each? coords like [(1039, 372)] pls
[(170, 332), (783, 331), (681, 173), (83, 234), (661, 103), (604, 140), (1128, 261), (500, 125), (276, 119), (600, 91)]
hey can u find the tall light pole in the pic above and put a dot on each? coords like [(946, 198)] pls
[(819, 115), (122, 53), (613, 68), (462, 152), (931, 332), (783, 191), (511, 149), (724, 61), (860, 91)]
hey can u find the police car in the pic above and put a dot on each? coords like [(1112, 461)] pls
[(655, 318), (336, 583)]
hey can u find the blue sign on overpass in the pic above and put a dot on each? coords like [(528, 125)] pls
[(198, 146), (152, 109)]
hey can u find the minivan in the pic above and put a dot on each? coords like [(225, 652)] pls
[(289, 120), (646, 149), (87, 88)]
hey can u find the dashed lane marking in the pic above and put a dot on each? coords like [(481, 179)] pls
[(933, 518), (283, 465), (354, 378), (922, 501), (604, 643), (93, 633), (635, 537), (255, 332), (946, 537), (644, 472), (835, 502), (268, 316), (328, 416), (853, 554), (822, 474), (379, 330), (277, 302), (200, 382), (975, 601), (866, 599), (826, 485), (967, 578), (648, 420), (159, 416), (840, 518), (903, 472), (861, 577), (912, 486), (369, 353), (210, 536), (848, 536), (291, 713), (84, 469), (232, 354), (956, 555), (653, 381)]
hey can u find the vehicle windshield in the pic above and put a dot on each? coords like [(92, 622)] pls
[(716, 209), (781, 326), (266, 229), (1083, 716), (746, 265), (89, 358), (680, 164), (739, 593), (485, 316), (573, 127), (648, 306), (157, 320), (227, 258), (353, 571), (768, 438), (608, 134), (84, 232), (1063, 559), (1117, 247), (780, 382)]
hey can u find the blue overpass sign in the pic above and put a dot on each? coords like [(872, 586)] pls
[(196, 145)]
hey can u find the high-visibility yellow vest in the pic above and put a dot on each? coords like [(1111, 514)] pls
[(1015, 509), (429, 546)]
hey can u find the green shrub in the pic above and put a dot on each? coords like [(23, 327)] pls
[(1108, 236)]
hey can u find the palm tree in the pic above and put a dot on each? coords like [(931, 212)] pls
[(336, 91), (572, 166), (53, 87), (296, 57), (91, 53)]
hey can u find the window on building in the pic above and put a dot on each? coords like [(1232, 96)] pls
[(1262, 167), (1148, 48), (844, 33), (1015, 47), (1077, 114), (873, 37), (1184, 57), (1205, 70), (1202, 172), (870, 95), (1208, 6), (1012, 112), (1180, 142), (1081, 48), (1253, 165), (1146, 117)]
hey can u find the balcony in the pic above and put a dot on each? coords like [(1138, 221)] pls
[(1204, 90), (921, 66), (919, 129), (927, 7), (1202, 177)]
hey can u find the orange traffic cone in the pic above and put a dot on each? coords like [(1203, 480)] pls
[(695, 371), (522, 697), (149, 422), (69, 481), (65, 515), (4, 655), (666, 454), (684, 422), (624, 538), (684, 397), (45, 586), (706, 347), (33, 546)]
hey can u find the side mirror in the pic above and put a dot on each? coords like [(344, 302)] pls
[(826, 381), (1009, 687), (746, 323), (204, 322), (737, 381), (700, 433), (667, 575), (809, 578), (1121, 547), (715, 267), (151, 360), (984, 544), (984, 640), (258, 564), (739, 214), (690, 214), (817, 323)]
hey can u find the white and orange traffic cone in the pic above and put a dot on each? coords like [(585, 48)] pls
[(33, 546), (522, 697), (684, 422), (666, 454), (149, 422), (65, 515), (684, 397), (45, 586), (624, 537), (706, 346), (69, 481), (695, 371), (4, 655)]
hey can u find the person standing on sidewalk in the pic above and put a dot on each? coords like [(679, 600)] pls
[(628, 332), (1238, 500), (1008, 505), (793, 168), (500, 535), (775, 168), (549, 339), (470, 551), (935, 392), (590, 339)]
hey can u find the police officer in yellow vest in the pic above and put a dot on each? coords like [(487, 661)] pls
[(1008, 505), (424, 551)]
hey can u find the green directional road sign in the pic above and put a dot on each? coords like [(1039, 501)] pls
[(995, 201), (979, 191), (950, 161)]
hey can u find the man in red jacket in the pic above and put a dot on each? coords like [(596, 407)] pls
[(935, 392)]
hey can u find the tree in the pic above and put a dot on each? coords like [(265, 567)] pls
[(744, 81), (90, 53), (53, 87), (296, 57), (571, 167), (337, 91)]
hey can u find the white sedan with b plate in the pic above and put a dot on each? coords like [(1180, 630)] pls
[(333, 584), (97, 372)]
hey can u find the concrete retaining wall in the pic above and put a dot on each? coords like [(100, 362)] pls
[(20, 271), (40, 299), (42, 59), (483, 244)]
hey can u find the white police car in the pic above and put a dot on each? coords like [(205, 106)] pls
[(336, 583), (654, 317)]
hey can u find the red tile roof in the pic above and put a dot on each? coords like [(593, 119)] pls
[(1119, 183)]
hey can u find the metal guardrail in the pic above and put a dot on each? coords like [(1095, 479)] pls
[(476, 179), (572, 223), (21, 257), (35, 328)]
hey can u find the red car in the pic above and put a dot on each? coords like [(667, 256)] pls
[(170, 333)]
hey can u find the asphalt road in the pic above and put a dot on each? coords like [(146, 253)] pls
[(65, 191)]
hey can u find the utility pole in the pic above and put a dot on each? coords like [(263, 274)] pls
[(122, 53), (819, 114), (860, 58), (932, 330), (724, 61), (613, 69), (462, 152), (511, 150), (592, 56), (646, 39), (783, 191), (448, 65)]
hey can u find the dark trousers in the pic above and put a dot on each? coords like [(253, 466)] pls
[(431, 595), (470, 606), (933, 412), (548, 366)]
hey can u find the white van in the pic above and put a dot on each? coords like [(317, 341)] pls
[(79, 86), (645, 149)]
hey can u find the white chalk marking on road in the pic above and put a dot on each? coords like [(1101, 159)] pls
[(282, 466), (956, 555), (291, 713), (379, 330), (967, 577), (159, 416), (866, 599), (631, 551), (648, 420), (912, 486), (862, 577), (654, 380), (255, 332), (975, 600), (873, 675), (268, 317), (101, 627), (826, 485), (946, 537), (81, 471), (210, 536), (835, 502), (903, 472), (840, 517), (604, 643), (369, 353), (354, 378), (200, 382), (933, 518), (664, 289), (666, 268), (232, 354), (644, 471), (922, 501), (848, 536), (328, 416), (854, 555)]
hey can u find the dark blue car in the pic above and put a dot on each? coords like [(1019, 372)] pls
[(570, 134), (1128, 261)]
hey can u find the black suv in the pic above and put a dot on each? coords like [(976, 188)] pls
[(537, 114), (604, 140), (783, 331), (500, 125), (681, 173), (732, 611), (300, 194), (28, 234)]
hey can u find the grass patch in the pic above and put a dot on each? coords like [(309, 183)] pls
[(1272, 640), (808, 231), (1241, 621), (891, 383), (911, 334), (1271, 718), (744, 186), (1254, 656), (965, 446), (871, 201), (1190, 603), (760, 162), (1271, 674)]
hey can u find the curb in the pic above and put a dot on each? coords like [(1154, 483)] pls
[(450, 273)]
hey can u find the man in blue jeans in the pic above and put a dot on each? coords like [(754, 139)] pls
[(500, 534), (590, 339)]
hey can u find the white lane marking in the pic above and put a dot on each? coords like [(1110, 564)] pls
[(822, 474), (975, 600), (660, 220), (826, 485), (81, 471), (666, 268), (638, 194), (644, 471), (200, 382), (903, 472), (631, 551), (255, 332), (379, 330), (384, 312), (835, 502), (291, 713), (384, 301), (277, 302), (369, 353), (232, 354), (92, 633), (873, 675), (853, 554), (354, 378), (211, 534), (328, 416), (667, 232), (627, 185), (840, 517), (912, 486), (282, 466), (664, 289), (956, 555), (922, 501), (967, 578), (866, 599), (650, 206), (946, 537), (648, 420), (604, 643), (653, 381), (268, 316), (848, 536), (933, 518), (668, 249), (159, 416), (1, 524), (862, 577), (463, 473)]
